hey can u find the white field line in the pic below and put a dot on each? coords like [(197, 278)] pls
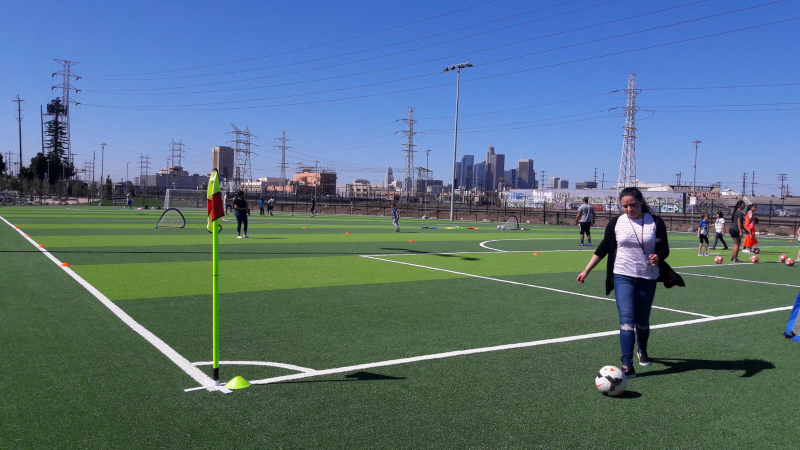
[(737, 279), (742, 264), (495, 251), (527, 285), (258, 363), (394, 362), (162, 346)]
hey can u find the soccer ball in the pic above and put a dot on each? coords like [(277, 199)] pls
[(719, 259), (610, 381), (756, 250), (782, 258), (789, 262), (754, 259), (498, 227), (291, 215)]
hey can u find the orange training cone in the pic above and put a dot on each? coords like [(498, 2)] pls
[(347, 232), (64, 264), (535, 254), (411, 240)]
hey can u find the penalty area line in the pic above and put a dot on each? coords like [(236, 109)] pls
[(183, 363), (394, 362), (526, 285)]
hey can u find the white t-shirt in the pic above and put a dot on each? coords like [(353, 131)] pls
[(719, 225), (631, 235)]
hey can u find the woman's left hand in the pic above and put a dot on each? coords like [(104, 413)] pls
[(654, 259)]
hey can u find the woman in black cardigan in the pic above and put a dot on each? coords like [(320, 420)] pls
[(636, 245)]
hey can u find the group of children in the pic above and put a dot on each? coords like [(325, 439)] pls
[(269, 203), (749, 229)]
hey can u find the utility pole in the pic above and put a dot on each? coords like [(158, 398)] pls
[(127, 179), (595, 176), (283, 165), (102, 182), (427, 177), (744, 184), (94, 160), (782, 179), (603, 183), (627, 167), (753, 184), (694, 178), (19, 101), (541, 181), (408, 167), (316, 169), (457, 68)]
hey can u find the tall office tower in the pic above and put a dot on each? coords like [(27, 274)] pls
[(458, 181), (554, 182), (497, 167), (467, 172), (389, 177), (511, 178), (526, 176), (479, 179), (222, 160)]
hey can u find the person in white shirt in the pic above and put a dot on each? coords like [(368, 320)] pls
[(636, 246), (719, 228)]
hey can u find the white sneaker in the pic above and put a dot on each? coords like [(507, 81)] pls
[(238, 237), (745, 251), (699, 254), (705, 254)]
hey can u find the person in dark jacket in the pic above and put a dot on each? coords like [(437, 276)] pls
[(636, 245)]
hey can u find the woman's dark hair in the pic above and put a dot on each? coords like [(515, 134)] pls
[(752, 205), (736, 207), (637, 194), (240, 194)]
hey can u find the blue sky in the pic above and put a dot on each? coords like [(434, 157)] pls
[(330, 75)]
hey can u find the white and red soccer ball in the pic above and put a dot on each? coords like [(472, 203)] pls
[(789, 262), (782, 258), (611, 381), (754, 259), (719, 259), (756, 250)]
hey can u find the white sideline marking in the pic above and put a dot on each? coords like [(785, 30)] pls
[(737, 279), (527, 285), (162, 346), (495, 251), (394, 362), (743, 263), (525, 239), (258, 363)]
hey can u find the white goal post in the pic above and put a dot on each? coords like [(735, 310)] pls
[(185, 198)]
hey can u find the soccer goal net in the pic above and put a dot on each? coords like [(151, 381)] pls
[(511, 223), (185, 198), (171, 218)]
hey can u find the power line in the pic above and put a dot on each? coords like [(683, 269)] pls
[(312, 46), (176, 107)]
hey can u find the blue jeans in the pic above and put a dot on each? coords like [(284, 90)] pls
[(241, 218), (634, 301)]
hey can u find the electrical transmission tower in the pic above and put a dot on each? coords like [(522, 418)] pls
[(408, 167), (144, 171), (782, 179), (744, 184), (627, 167), (243, 170), (66, 88), (176, 154), (753, 184), (283, 165)]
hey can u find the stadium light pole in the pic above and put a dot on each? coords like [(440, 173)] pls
[(316, 169), (427, 175), (457, 68), (694, 179)]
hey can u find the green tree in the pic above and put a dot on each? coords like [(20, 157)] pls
[(108, 192), (2, 165), (25, 186), (80, 190), (38, 188), (131, 189), (53, 163), (14, 184), (61, 189)]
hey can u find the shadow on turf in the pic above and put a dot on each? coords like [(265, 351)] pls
[(749, 366), (358, 376)]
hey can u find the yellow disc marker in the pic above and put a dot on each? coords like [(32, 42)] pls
[(237, 383)]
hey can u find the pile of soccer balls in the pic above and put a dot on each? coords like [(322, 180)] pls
[(754, 259), (610, 381)]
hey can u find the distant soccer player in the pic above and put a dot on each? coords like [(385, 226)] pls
[(129, 203), (395, 217), (242, 210), (313, 207), (585, 219), (702, 234), (719, 227), (270, 205), (261, 206)]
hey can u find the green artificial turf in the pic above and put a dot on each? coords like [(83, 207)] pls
[(78, 377)]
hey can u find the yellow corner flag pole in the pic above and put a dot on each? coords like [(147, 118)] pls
[(215, 211)]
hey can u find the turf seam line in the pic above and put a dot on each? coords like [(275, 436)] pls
[(154, 340), (737, 279), (528, 285), (259, 363), (393, 362)]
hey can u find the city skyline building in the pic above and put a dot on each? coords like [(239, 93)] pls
[(526, 175)]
